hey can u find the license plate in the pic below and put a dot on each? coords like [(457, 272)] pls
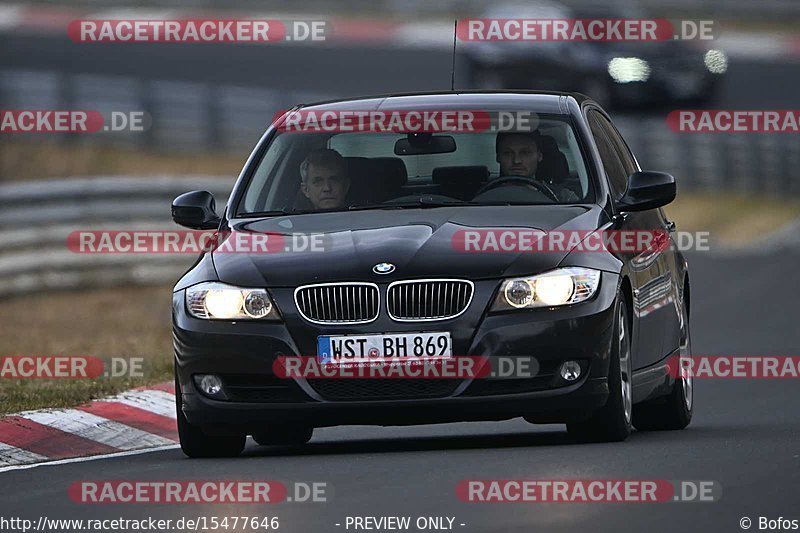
[(349, 349)]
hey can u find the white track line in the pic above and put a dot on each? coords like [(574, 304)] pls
[(155, 401), (11, 455), (97, 429), (85, 459)]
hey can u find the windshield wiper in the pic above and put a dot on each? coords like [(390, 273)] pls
[(422, 201)]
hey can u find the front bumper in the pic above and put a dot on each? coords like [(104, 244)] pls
[(243, 354)]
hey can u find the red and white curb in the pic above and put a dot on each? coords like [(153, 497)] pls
[(139, 419)]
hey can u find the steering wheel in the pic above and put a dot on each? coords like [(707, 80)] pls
[(502, 180)]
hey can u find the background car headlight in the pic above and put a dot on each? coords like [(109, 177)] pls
[(562, 286), (716, 61), (225, 302), (628, 69)]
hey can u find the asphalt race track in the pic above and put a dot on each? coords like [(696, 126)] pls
[(745, 436)]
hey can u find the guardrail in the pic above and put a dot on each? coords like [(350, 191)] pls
[(36, 219), (766, 163)]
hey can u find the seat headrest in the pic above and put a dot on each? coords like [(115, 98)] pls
[(391, 171), (554, 165), (374, 180), (467, 174), (356, 167)]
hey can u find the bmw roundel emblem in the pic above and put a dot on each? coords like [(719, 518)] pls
[(383, 268)]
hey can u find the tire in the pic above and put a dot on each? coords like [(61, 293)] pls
[(673, 411), (197, 444), (285, 436), (612, 422)]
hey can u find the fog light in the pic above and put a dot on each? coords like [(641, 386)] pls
[(210, 385), (570, 370)]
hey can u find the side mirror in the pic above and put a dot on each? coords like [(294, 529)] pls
[(648, 190), (195, 210)]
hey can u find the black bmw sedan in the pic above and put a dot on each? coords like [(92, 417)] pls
[(421, 228)]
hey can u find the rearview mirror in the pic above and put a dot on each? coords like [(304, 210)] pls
[(195, 210), (424, 143), (648, 190)]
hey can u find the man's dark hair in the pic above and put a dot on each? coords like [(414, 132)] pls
[(534, 136), (322, 157)]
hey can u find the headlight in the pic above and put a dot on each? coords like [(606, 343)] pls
[(215, 300), (562, 286)]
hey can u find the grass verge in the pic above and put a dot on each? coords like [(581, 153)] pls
[(122, 322), (732, 220)]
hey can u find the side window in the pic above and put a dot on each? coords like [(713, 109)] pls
[(622, 149), (617, 176)]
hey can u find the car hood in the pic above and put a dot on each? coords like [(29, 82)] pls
[(418, 242)]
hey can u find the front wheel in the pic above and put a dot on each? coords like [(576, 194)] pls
[(195, 443), (612, 423), (673, 411)]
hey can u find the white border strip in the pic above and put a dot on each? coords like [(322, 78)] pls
[(154, 401), (96, 428), (11, 455), (91, 458)]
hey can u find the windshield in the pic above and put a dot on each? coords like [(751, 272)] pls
[(304, 172)]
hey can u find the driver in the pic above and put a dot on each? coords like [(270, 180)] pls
[(323, 179), (519, 155)]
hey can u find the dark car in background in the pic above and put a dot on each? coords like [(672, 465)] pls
[(602, 326), (614, 73)]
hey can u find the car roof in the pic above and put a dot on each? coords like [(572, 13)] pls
[(540, 101)]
